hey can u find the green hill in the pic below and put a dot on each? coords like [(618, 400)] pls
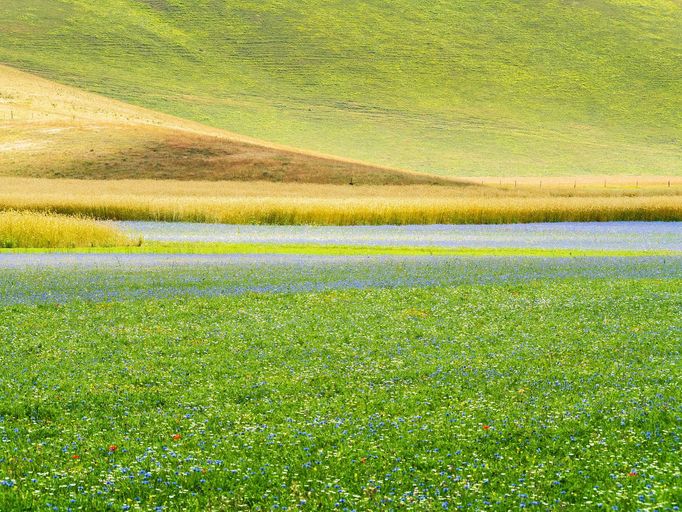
[(467, 87), (50, 130)]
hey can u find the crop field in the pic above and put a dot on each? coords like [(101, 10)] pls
[(31, 230), (298, 382), (142, 381), (303, 204), (467, 88), (598, 236)]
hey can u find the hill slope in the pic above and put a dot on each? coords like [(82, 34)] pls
[(51, 130), (474, 87)]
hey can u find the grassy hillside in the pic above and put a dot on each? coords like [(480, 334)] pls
[(55, 131), (473, 87)]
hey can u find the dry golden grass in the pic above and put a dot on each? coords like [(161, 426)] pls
[(602, 184), (44, 230), (262, 202)]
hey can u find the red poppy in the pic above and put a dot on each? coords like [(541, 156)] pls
[(113, 447), (177, 437), (486, 427), (75, 457)]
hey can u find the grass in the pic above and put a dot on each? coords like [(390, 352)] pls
[(54, 131), (341, 250), (44, 230), (485, 396), (267, 203), (460, 88)]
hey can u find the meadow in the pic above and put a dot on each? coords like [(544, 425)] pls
[(467, 88), (368, 383), (319, 204)]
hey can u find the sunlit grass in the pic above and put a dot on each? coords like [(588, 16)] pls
[(463, 88), (342, 250), (260, 203), (44, 230), (566, 391), (331, 212)]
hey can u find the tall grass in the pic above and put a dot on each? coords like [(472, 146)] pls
[(272, 203), (37, 229), (361, 211)]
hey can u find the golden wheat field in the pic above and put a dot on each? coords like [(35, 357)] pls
[(20, 229), (279, 203)]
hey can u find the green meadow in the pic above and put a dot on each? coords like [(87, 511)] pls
[(462, 88), (554, 394), (218, 248)]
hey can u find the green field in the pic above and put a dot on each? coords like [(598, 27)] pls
[(463, 88), (217, 248), (563, 393)]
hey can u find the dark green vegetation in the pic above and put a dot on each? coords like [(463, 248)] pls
[(555, 393), (468, 87)]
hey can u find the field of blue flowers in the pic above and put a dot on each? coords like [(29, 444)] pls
[(293, 382), (622, 236)]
